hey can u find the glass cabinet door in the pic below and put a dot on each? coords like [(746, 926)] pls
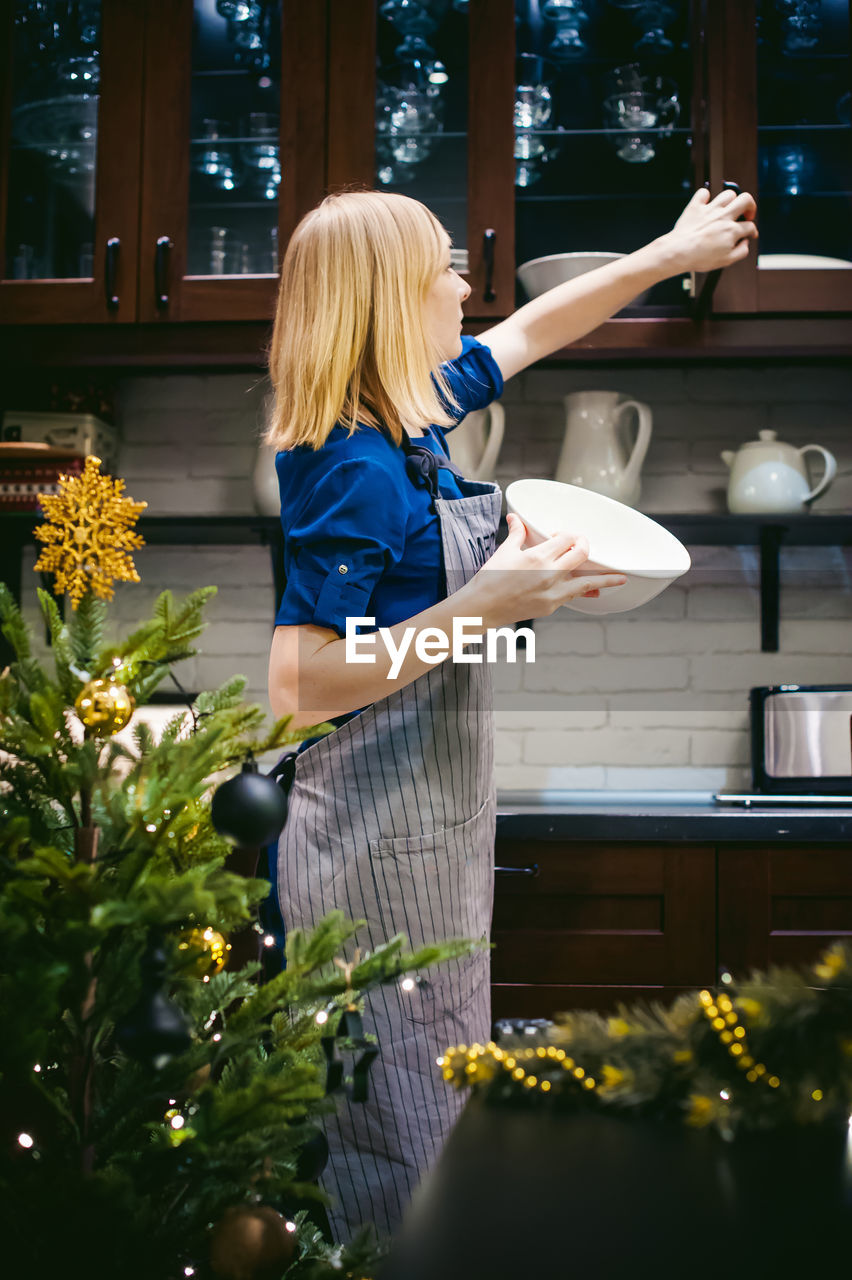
[(804, 152), (420, 103), (603, 140), (221, 175), (421, 133), (70, 210)]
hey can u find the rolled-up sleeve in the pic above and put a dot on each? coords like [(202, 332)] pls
[(347, 532), (474, 378)]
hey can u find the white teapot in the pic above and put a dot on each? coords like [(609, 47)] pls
[(474, 444), (767, 475)]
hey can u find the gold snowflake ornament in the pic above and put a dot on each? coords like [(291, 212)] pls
[(89, 534)]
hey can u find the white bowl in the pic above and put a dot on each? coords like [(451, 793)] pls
[(621, 540), (801, 262), (540, 274)]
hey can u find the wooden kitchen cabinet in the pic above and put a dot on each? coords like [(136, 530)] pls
[(586, 925), (562, 155), (159, 188), (165, 188), (778, 97), (782, 904)]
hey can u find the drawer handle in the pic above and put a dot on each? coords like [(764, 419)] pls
[(488, 241), (531, 870), (161, 272), (110, 270)]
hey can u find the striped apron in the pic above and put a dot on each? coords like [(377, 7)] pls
[(392, 820)]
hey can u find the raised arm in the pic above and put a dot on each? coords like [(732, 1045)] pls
[(706, 236)]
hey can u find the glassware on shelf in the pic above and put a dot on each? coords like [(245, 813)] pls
[(630, 118), (273, 251), (24, 263), (801, 24), (534, 79), (569, 17), (631, 79), (259, 154), (215, 158), (221, 251), (651, 17), (666, 93), (407, 120), (787, 168), (239, 10), (624, 79)]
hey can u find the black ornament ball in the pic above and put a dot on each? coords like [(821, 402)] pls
[(313, 1157), (249, 809)]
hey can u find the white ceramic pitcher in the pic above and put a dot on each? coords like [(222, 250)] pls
[(475, 443), (264, 481), (593, 453)]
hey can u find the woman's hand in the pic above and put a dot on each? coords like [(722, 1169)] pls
[(707, 235), (517, 583)]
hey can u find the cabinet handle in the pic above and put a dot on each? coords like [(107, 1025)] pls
[(531, 870), (110, 271), (701, 304), (488, 240), (161, 272)]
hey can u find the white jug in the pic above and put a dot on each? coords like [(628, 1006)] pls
[(768, 475), (593, 454), (264, 481), (474, 444)]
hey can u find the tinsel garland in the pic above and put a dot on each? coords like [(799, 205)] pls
[(773, 1050)]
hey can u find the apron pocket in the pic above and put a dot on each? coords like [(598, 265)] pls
[(434, 887)]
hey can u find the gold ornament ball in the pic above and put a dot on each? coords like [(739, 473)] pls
[(104, 706), (251, 1242), (212, 948)]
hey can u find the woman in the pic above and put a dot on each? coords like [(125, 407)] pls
[(392, 816)]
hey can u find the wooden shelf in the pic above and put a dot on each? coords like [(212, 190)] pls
[(665, 335), (770, 533)]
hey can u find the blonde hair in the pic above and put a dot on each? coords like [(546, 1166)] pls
[(349, 334)]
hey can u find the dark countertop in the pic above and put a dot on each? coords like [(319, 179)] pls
[(673, 816)]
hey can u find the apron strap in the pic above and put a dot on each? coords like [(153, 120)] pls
[(423, 464)]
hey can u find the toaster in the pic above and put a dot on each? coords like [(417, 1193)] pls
[(801, 739)]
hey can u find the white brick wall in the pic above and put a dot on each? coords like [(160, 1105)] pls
[(656, 698)]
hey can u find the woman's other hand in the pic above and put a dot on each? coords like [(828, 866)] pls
[(708, 234), (517, 583)]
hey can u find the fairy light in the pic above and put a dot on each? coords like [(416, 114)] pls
[(321, 1017), (290, 1226), (732, 1034), (177, 1122), (189, 1271), (407, 984), (26, 1141), (269, 941), (217, 1037)]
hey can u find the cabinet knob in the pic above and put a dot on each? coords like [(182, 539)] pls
[(701, 304), (161, 272), (489, 240), (110, 271)]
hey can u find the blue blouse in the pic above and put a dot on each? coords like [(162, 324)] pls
[(360, 538)]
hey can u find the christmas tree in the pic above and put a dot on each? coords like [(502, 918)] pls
[(160, 1106)]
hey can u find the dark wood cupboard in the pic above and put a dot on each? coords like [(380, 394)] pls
[(161, 190), (586, 925)]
